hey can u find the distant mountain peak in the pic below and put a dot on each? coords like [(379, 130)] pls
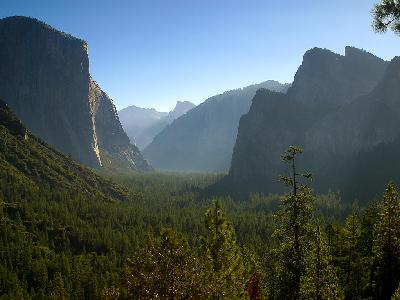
[(183, 103), (181, 108), (143, 124), (203, 138)]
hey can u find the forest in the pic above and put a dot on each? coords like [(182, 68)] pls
[(166, 241)]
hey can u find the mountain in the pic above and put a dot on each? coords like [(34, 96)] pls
[(337, 108), (143, 124), (327, 79), (29, 161), (203, 138), (45, 79), (181, 108)]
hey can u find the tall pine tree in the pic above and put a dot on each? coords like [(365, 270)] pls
[(293, 231), (386, 247), (354, 275), (222, 252)]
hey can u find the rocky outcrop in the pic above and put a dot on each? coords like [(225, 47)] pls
[(181, 108), (337, 107), (115, 147), (143, 124), (203, 138), (329, 80), (44, 77)]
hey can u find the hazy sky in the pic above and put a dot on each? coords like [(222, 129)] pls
[(153, 53)]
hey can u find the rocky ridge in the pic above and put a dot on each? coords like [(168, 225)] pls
[(338, 107)]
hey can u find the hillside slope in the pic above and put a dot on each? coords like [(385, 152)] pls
[(203, 138), (27, 159)]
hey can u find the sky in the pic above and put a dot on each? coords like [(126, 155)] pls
[(152, 53)]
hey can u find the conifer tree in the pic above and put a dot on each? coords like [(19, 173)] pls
[(386, 247), (224, 256), (164, 269), (319, 280), (58, 291), (293, 229), (354, 271), (387, 16), (396, 295)]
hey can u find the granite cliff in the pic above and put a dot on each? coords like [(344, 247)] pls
[(114, 145), (337, 107), (44, 77)]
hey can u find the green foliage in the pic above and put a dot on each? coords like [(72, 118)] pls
[(168, 268), (223, 254), (293, 230), (396, 295), (387, 16), (386, 247), (165, 268), (353, 266), (319, 280)]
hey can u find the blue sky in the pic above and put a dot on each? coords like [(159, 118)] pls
[(153, 53)]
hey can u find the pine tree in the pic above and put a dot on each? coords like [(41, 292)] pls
[(396, 295), (387, 16), (58, 291), (293, 229), (224, 255), (386, 247), (319, 280), (164, 269), (354, 271)]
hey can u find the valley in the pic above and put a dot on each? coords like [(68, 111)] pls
[(276, 189)]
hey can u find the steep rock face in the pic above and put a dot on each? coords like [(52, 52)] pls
[(181, 108), (330, 80), (203, 138), (356, 138), (44, 77), (256, 157), (143, 124), (114, 144), (318, 114)]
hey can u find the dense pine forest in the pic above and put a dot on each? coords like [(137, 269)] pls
[(165, 242)]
